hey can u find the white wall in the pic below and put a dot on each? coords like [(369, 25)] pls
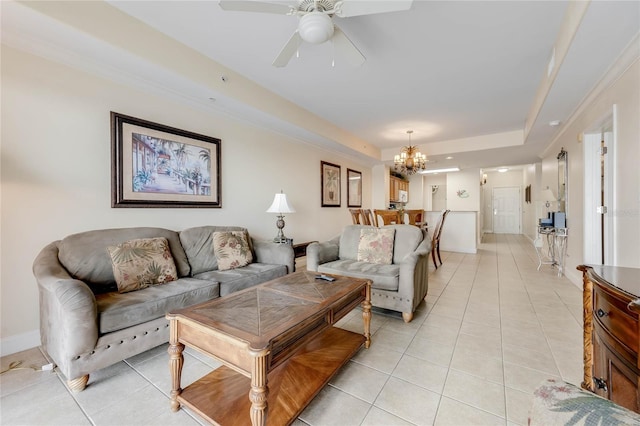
[(625, 93), (469, 181), (437, 201), (56, 170)]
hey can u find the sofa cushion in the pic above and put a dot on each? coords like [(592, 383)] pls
[(137, 264), (85, 255), (376, 246), (231, 249), (117, 311), (407, 238), (245, 277), (198, 246), (383, 277)]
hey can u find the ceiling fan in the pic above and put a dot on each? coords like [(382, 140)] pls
[(316, 24)]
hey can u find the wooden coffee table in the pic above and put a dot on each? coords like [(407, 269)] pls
[(277, 343)]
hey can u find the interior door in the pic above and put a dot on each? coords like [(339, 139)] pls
[(506, 210), (599, 184)]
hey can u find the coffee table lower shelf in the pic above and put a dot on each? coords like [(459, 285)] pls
[(222, 396)]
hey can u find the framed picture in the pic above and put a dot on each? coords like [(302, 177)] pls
[(330, 184), (153, 165), (354, 188), (527, 194)]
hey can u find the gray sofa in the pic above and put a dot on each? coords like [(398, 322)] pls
[(85, 324), (400, 286)]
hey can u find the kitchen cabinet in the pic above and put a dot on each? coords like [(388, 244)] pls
[(396, 185)]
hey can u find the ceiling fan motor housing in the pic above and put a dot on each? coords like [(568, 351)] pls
[(315, 27)]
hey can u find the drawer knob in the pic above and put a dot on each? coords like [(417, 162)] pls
[(600, 383), (601, 313)]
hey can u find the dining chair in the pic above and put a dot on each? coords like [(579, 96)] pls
[(355, 216), (415, 217), (435, 238), (367, 217), (388, 217)]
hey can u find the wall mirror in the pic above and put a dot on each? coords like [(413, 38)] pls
[(563, 171)]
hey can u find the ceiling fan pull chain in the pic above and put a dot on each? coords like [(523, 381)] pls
[(333, 58)]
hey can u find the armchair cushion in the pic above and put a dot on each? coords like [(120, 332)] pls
[(376, 245), (407, 239), (139, 263), (385, 277)]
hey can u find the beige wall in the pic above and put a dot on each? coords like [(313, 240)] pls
[(625, 93), (56, 170)]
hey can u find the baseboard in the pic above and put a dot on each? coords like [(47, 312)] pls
[(12, 344), (466, 250)]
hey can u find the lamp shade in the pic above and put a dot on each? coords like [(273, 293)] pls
[(547, 195), (281, 205)]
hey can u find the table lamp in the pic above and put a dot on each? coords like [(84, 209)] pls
[(548, 197), (279, 206)]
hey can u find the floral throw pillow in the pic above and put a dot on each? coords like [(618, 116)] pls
[(231, 249), (137, 264), (376, 245)]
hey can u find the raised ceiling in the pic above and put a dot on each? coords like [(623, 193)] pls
[(452, 71)]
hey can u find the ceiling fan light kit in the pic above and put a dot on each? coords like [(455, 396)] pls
[(315, 27), (316, 24)]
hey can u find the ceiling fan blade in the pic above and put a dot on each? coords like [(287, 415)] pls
[(347, 8), (255, 6), (288, 50), (346, 48)]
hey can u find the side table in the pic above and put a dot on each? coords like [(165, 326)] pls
[(299, 250)]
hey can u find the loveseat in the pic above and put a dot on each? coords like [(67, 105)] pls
[(400, 285), (86, 324)]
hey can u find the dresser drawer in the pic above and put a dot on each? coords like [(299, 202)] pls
[(611, 312)]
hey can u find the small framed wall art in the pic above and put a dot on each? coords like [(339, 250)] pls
[(330, 184), (153, 165), (354, 188)]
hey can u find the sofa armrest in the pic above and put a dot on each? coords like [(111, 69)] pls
[(68, 309), (273, 253), (414, 270), (319, 253)]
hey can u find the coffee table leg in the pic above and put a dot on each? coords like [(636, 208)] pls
[(176, 360), (366, 315), (259, 389)]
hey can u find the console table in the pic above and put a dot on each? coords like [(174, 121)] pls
[(611, 329), (556, 247)]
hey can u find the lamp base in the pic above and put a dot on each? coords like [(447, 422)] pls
[(280, 238)]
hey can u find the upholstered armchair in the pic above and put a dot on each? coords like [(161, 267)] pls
[(399, 285)]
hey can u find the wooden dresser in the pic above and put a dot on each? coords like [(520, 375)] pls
[(611, 330)]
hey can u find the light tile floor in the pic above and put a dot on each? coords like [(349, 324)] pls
[(492, 328)]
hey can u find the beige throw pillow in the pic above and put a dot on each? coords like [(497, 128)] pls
[(137, 264), (376, 245), (231, 249)]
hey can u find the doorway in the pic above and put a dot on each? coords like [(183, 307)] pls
[(599, 151), (506, 210)]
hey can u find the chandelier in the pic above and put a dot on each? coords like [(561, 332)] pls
[(410, 160)]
